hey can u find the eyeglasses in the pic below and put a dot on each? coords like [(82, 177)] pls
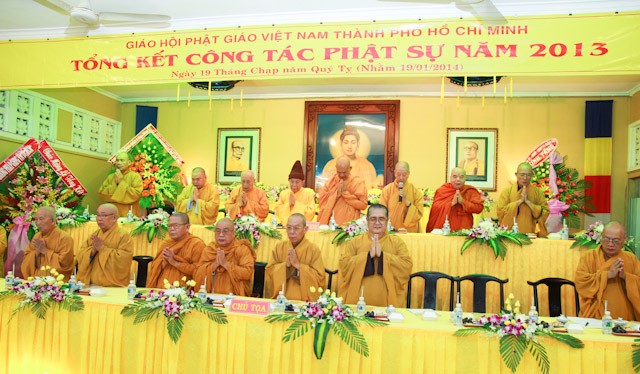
[(222, 231), (174, 226), (240, 148), (103, 215), (377, 219), (614, 241), (294, 228), (469, 148), (525, 175)]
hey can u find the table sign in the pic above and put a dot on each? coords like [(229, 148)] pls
[(259, 307)]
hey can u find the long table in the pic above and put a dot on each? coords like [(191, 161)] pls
[(543, 258), (99, 340)]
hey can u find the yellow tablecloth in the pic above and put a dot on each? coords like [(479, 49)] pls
[(99, 340), (543, 258)]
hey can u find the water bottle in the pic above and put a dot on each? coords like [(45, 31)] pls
[(9, 280), (332, 223), (361, 307), (274, 222), (389, 227), (607, 323), (73, 284), (390, 309), (457, 315), (281, 302), (533, 314), (130, 215), (446, 228), (86, 213), (515, 228), (564, 233), (131, 290), (202, 293)]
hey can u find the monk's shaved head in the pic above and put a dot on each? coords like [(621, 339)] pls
[(343, 167), (403, 165), (181, 217), (459, 171), (247, 179)]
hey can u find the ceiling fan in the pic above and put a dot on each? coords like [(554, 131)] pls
[(484, 10)]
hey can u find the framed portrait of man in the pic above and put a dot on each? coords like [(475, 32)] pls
[(364, 131), (238, 150), (474, 150)]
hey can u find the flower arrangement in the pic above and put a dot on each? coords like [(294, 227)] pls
[(489, 233), (488, 201), (593, 235), (517, 333), (42, 292), (427, 195), (69, 218), (248, 227), (160, 177), (374, 195), (351, 230), (325, 315), (175, 302), (155, 225)]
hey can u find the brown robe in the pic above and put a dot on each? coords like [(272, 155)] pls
[(346, 206), (111, 266), (236, 278), (187, 251), (59, 255), (257, 203)]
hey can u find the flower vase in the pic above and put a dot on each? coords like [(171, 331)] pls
[(320, 338)]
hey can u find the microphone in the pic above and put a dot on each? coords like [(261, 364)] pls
[(400, 188)]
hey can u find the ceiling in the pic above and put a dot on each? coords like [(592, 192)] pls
[(35, 19)]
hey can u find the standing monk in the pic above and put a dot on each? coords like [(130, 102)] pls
[(296, 263), (49, 247), (227, 263), (524, 204), (344, 196), (177, 256), (105, 257), (296, 199), (247, 199), (456, 201), (200, 201), (608, 273), (123, 188), (404, 201), (375, 263)]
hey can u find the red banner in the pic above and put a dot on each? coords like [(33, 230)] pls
[(542, 152), (61, 169), (13, 162)]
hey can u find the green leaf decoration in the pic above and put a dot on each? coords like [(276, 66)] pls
[(214, 314), (320, 338), (468, 244), (469, 331), (150, 234), (540, 354), (299, 327), (349, 334), (567, 339), (512, 349), (368, 322), (635, 356), (40, 309), (174, 327)]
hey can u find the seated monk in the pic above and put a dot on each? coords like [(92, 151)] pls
[(49, 247), (296, 263), (178, 256), (296, 199), (375, 263), (123, 188), (455, 201), (105, 258), (609, 273), (226, 265), (247, 199), (404, 200), (344, 196), (523, 203), (200, 201)]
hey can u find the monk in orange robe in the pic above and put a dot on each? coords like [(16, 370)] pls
[(49, 247), (455, 201), (248, 199), (200, 201), (296, 264), (177, 256), (376, 264), (227, 264), (404, 200), (609, 273), (524, 204), (3, 248), (123, 188), (296, 199), (105, 257), (360, 166), (344, 197)]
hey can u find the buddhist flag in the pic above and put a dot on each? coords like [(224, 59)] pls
[(598, 156)]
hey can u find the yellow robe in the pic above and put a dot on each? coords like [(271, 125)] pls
[(234, 164), (124, 195), (187, 251), (475, 167), (257, 203), (3, 248), (241, 258), (296, 285), (594, 287), (508, 207), (111, 266), (360, 167), (305, 204), (346, 206), (59, 254), (390, 288), (401, 215), (205, 210)]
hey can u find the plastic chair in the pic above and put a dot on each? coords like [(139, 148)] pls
[(258, 279), (430, 288), (143, 268), (330, 274), (554, 286), (480, 290)]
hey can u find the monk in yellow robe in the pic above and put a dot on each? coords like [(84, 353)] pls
[(344, 197), (247, 199), (360, 166), (49, 247), (3, 248), (404, 200), (105, 257), (295, 264), (609, 273), (200, 201), (227, 264), (296, 199), (123, 188), (177, 256), (455, 201), (524, 203), (375, 263)]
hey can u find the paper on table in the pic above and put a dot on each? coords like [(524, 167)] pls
[(586, 322)]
